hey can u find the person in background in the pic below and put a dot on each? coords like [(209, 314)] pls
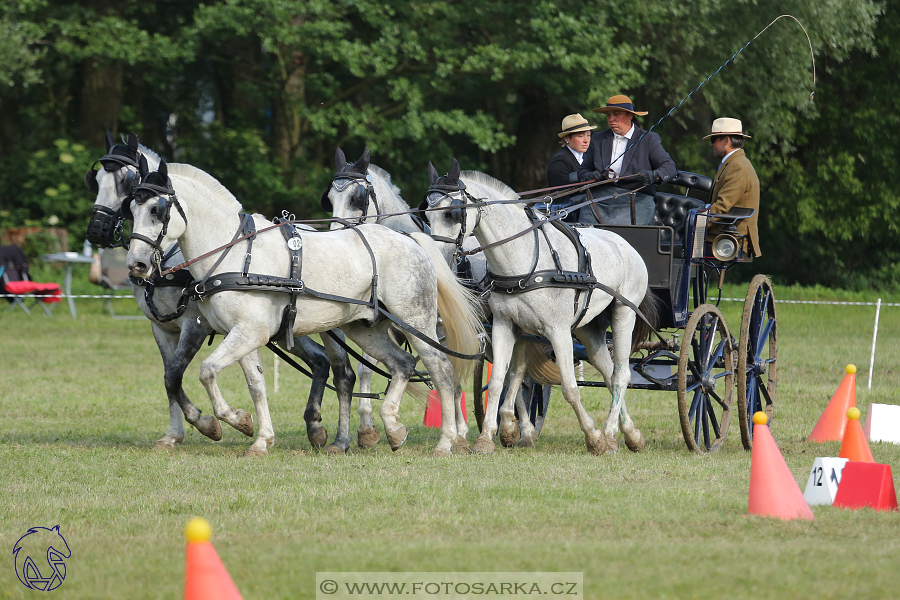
[(622, 150), (736, 183), (563, 168)]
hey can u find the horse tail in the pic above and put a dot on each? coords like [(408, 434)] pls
[(459, 309), (540, 367), (642, 330)]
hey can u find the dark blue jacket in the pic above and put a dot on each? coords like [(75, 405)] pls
[(641, 154)]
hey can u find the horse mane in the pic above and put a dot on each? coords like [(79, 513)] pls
[(203, 178), (486, 181), (386, 177), (142, 149)]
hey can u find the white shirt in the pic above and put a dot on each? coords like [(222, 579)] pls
[(579, 156), (726, 157), (620, 142)]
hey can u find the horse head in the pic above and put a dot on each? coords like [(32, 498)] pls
[(446, 206), (351, 190), (113, 186), (150, 210)]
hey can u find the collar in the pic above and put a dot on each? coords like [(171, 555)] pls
[(727, 156), (579, 156), (627, 135)]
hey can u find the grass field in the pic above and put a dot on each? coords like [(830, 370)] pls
[(83, 401)]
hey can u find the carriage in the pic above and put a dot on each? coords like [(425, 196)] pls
[(701, 359)]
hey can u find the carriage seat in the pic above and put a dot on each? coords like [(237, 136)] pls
[(692, 181), (672, 210)]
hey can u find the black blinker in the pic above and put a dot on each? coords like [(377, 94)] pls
[(358, 198), (325, 201), (128, 184), (456, 213), (162, 209), (90, 180)]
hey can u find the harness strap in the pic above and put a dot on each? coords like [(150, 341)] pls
[(367, 363)]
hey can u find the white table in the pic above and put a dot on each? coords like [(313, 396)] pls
[(69, 258)]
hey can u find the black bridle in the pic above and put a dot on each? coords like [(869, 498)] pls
[(459, 198), (145, 192), (105, 229), (360, 197)]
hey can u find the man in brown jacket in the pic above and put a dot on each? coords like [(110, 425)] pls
[(736, 183)]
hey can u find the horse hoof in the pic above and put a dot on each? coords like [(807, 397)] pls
[(317, 435), (253, 453), (509, 436), (635, 443), (461, 446), (397, 437), (210, 427), (525, 442), (597, 443), (368, 437), (244, 422), (164, 444), (441, 453), (334, 449), (483, 446)]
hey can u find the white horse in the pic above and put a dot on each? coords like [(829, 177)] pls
[(555, 313), (364, 193), (333, 279), (180, 338)]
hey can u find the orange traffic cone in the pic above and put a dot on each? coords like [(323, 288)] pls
[(205, 577), (855, 448), (833, 422), (773, 490)]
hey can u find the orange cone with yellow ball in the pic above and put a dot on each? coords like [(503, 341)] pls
[(831, 425), (773, 490), (205, 577), (855, 448)]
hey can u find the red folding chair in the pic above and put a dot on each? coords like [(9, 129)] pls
[(16, 284)]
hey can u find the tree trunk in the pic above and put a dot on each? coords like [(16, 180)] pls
[(535, 140), (287, 127), (101, 99)]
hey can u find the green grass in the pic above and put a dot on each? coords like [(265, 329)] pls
[(83, 402)]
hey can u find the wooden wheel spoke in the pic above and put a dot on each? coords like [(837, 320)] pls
[(719, 400), (704, 417), (720, 349)]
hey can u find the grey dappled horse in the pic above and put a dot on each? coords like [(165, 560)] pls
[(179, 339), (555, 313), (203, 217)]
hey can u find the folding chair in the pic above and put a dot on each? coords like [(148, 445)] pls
[(16, 282), (114, 276)]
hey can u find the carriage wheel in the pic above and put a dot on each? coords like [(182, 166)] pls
[(705, 380), (757, 357)]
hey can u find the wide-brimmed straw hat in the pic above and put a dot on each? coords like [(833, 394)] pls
[(726, 126), (574, 124), (620, 103)]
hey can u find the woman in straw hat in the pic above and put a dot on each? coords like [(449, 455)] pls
[(621, 151), (575, 139)]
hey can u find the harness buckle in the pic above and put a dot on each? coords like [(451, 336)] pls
[(299, 287)]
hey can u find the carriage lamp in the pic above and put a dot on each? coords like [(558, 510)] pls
[(725, 247)]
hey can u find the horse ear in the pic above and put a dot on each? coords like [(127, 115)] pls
[(432, 174), (339, 159), (162, 170), (132, 141), (109, 140), (364, 160), (453, 174), (143, 167)]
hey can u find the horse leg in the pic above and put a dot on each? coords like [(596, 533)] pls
[(237, 344), (441, 372), (367, 434), (623, 321), (314, 356), (561, 340), (177, 351), (593, 336), (344, 380), (526, 428), (502, 343), (509, 431), (256, 383), (461, 446), (377, 343)]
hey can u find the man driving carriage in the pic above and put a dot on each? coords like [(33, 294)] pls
[(736, 184), (624, 149)]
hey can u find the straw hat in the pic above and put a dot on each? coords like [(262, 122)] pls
[(726, 126), (620, 103), (574, 124)]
